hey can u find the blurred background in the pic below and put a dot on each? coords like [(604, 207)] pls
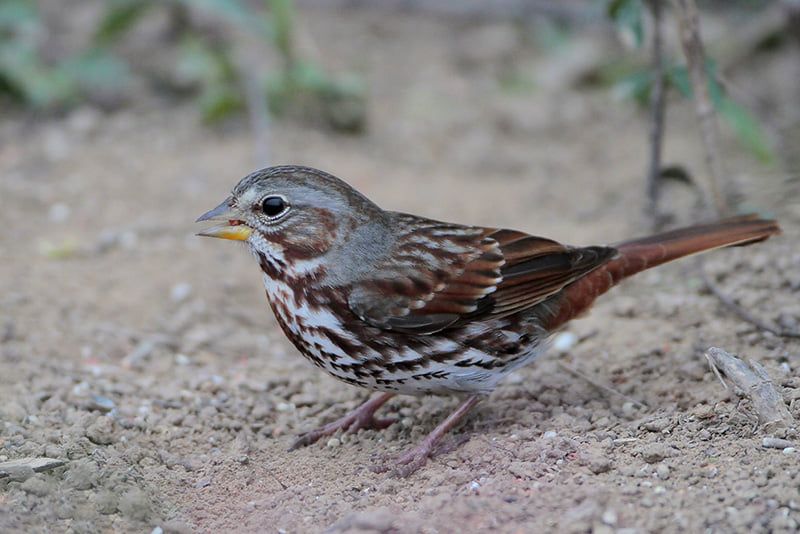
[(145, 360)]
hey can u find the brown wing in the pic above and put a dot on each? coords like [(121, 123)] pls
[(441, 275)]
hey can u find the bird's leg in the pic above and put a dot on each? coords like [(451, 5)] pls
[(361, 417), (416, 457)]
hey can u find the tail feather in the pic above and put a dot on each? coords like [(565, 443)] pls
[(639, 254)]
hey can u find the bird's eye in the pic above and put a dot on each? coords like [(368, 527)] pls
[(273, 206)]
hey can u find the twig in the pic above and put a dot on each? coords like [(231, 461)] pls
[(715, 369), (742, 313), (657, 107), (692, 44), (256, 101), (753, 380), (600, 386)]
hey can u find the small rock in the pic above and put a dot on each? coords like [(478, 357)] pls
[(180, 292), (82, 474), (36, 486), (655, 452), (609, 517), (135, 505), (703, 411), (564, 341), (628, 409), (13, 411), (776, 443), (333, 443), (202, 483), (24, 468), (101, 404), (597, 463), (522, 469), (106, 502), (101, 431), (662, 471), (658, 425), (789, 450), (59, 212)]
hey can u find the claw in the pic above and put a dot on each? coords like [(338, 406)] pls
[(362, 417)]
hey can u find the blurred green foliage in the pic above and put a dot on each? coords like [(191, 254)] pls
[(636, 82), (27, 77), (204, 62)]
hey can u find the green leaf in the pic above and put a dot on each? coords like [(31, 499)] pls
[(282, 12), (15, 15), (39, 86), (747, 129), (97, 69), (627, 16), (233, 11), (218, 102), (119, 19), (678, 77)]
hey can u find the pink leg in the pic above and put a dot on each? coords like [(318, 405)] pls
[(416, 457), (361, 417)]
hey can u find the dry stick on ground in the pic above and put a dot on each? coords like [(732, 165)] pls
[(602, 387), (692, 44), (743, 314), (256, 103), (657, 108), (753, 380)]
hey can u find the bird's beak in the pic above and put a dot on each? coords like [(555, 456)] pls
[(232, 228)]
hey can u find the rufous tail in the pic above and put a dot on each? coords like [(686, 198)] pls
[(640, 254)]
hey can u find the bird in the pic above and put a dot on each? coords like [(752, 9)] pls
[(402, 304)]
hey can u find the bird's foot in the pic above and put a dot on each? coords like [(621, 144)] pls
[(416, 457), (362, 417)]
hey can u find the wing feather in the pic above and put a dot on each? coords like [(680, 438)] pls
[(452, 274)]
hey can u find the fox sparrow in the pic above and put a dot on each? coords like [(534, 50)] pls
[(398, 303)]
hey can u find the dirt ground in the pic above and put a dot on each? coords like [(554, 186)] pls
[(146, 360)]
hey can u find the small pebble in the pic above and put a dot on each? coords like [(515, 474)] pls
[(333, 443), (285, 407), (610, 517), (101, 431), (703, 411), (58, 213), (789, 450), (662, 471), (628, 409), (101, 404), (180, 292), (655, 452), (202, 483), (776, 443), (564, 342), (550, 434)]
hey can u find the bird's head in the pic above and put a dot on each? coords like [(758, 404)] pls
[(289, 213)]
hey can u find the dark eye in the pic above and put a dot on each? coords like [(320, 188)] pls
[(274, 206)]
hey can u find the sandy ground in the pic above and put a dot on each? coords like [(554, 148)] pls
[(146, 360)]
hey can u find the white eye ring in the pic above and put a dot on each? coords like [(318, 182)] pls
[(274, 206)]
